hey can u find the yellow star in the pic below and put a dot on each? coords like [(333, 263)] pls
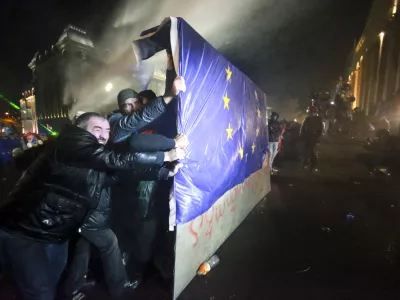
[(226, 101), (229, 131), (259, 113), (256, 95), (228, 73), (253, 147), (257, 131), (241, 152)]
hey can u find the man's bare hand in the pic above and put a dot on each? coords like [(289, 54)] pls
[(174, 154), (181, 141), (178, 86), (175, 170)]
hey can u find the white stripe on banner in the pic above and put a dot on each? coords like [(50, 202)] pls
[(174, 39)]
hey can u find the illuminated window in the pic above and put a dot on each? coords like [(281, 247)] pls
[(360, 44)]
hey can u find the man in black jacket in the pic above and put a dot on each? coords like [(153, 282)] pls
[(53, 198), (131, 117), (274, 132), (96, 231), (310, 132), (141, 220)]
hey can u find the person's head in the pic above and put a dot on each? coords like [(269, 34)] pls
[(77, 114), (146, 96), (96, 125), (128, 101), (274, 116), (347, 87)]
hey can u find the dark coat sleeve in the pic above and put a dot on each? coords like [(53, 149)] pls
[(303, 127), (83, 150), (150, 174), (150, 143), (145, 174), (170, 77), (139, 119), (141, 174)]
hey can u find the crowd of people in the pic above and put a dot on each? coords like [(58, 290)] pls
[(79, 194), (379, 131), (288, 135)]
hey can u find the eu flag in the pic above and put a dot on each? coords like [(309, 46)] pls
[(223, 114)]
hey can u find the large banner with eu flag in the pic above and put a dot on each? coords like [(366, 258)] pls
[(223, 114)]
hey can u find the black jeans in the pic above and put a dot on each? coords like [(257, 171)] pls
[(35, 267), (114, 271), (142, 249), (310, 153)]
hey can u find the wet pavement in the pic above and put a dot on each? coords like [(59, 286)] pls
[(302, 242), (299, 243)]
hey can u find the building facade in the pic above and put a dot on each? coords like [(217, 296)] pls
[(374, 73), (73, 75), (29, 120), (57, 76)]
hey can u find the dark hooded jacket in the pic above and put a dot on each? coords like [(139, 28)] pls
[(274, 129), (55, 194), (145, 189), (312, 128), (122, 126), (99, 218)]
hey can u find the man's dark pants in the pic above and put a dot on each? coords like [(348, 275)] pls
[(35, 267), (114, 271), (310, 152)]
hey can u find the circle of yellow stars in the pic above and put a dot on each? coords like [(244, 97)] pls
[(229, 130)]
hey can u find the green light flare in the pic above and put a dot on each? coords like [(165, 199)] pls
[(19, 108), (49, 130), (9, 102)]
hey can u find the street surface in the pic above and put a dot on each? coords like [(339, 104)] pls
[(298, 243)]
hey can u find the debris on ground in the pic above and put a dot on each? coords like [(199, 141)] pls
[(390, 253), (208, 265), (304, 271), (325, 229), (350, 217)]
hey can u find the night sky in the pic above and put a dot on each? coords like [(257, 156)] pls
[(307, 52)]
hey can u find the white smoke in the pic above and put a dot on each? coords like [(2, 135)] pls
[(231, 25)]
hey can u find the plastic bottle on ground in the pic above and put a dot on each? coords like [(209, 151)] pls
[(208, 265)]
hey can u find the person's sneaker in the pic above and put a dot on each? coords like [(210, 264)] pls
[(79, 296), (89, 283), (132, 284)]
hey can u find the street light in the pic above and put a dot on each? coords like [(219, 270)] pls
[(378, 68), (381, 36), (109, 87)]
